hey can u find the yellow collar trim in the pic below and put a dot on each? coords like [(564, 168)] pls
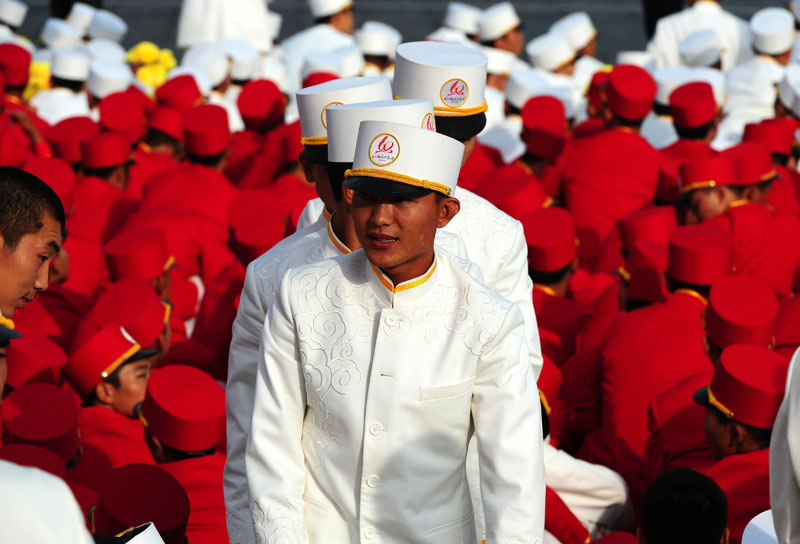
[(314, 140), (116, 364), (718, 405), (738, 203), (167, 311), (170, 263), (145, 147), (698, 185), (325, 214), (336, 242), (400, 178), (6, 322), (623, 273), (546, 404), (403, 286), (545, 289), (14, 99), (694, 294)]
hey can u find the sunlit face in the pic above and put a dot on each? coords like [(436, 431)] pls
[(708, 203), (24, 270), (513, 42), (133, 379)]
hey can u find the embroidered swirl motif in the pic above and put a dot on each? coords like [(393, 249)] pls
[(396, 324), (278, 525)]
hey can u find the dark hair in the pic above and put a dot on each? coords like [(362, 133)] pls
[(336, 172), (673, 285), (71, 84), (24, 201), (694, 133), (661, 109), (155, 137), (113, 379), (212, 161), (634, 124), (759, 435), (102, 173), (780, 159), (549, 278), (545, 420), (684, 506)]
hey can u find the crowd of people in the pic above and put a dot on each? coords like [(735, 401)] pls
[(348, 287)]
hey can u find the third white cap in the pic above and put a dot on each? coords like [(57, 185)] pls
[(668, 79), (106, 78), (497, 21), (577, 28), (522, 84), (108, 26), (501, 62), (209, 58), (550, 51), (72, 65), (56, 34), (106, 50), (13, 12), (81, 15), (463, 17), (773, 31)]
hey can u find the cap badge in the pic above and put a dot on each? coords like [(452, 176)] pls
[(429, 122), (455, 92), (384, 149), (324, 120)]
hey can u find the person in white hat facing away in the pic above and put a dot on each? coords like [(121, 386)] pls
[(12, 14), (243, 57), (107, 78), (107, 26), (733, 32), (460, 24), (204, 21), (333, 28), (657, 127), (581, 34), (701, 49), (414, 367), (784, 461), (211, 59), (498, 69), (500, 27), (57, 34), (80, 16), (552, 52), (378, 42), (69, 71)]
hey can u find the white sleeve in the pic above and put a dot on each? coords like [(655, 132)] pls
[(784, 460), (663, 45), (274, 459), (508, 427), (310, 213)]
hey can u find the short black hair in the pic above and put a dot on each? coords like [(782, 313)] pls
[(212, 161), (634, 124), (155, 137), (684, 506), (780, 159), (759, 435), (102, 173), (694, 133), (336, 172), (673, 285), (71, 84), (549, 278), (661, 109), (24, 201)]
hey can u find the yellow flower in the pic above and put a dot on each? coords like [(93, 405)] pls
[(144, 53), (167, 59), (153, 75), (39, 79)]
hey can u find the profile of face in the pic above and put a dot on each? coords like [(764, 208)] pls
[(25, 268), (708, 203), (721, 436), (514, 42), (318, 175), (397, 233), (133, 378)]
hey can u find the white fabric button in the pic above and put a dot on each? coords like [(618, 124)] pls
[(373, 481), (374, 429), (370, 532)]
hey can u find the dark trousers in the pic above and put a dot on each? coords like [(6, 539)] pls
[(655, 10)]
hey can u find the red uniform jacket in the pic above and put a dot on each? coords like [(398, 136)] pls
[(480, 164), (783, 196), (100, 210), (146, 164), (673, 156), (294, 193), (563, 316)]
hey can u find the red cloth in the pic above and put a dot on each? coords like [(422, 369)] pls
[(480, 164), (562, 316), (673, 156), (294, 193), (100, 210), (146, 165), (590, 127), (246, 146), (279, 150), (202, 479), (54, 313), (606, 176), (744, 478), (782, 197), (88, 272), (561, 522)]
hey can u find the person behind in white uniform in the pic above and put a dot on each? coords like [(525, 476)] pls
[(657, 127), (784, 461), (582, 36), (733, 32), (500, 27), (12, 14), (376, 366), (460, 24), (211, 59), (66, 97), (212, 21)]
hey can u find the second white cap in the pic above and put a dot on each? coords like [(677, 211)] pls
[(773, 31), (497, 21), (107, 78), (72, 65), (13, 12)]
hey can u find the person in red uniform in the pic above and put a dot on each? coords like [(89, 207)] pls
[(184, 417), (141, 253), (777, 135), (33, 358), (615, 171), (741, 404), (125, 114), (67, 136)]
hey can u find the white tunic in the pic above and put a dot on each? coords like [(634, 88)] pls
[(366, 397), (658, 130), (55, 105), (784, 461), (317, 38), (733, 33), (203, 21)]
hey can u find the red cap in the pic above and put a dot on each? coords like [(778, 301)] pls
[(652, 223), (67, 135), (135, 494), (544, 127), (147, 103), (184, 408), (646, 266), (597, 89), (705, 172), (292, 142), (531, 196), (34, 359), (700, 254), (255, 232), (550, 234), (124, 114), (741, 310), (630, 92), (44, 415), (138, 254), (98, 357), (752, 162), (776, 134), (104, 151), (181, 93), (693, 105), (748, 385), (318, 78), (206, 130), (15, 64), (57, 174), (261, 105), (28, 455), (787, 326), (167, 120)]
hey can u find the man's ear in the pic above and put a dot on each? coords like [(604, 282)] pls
[(448, 209), (725, 536), (306, 164), (348, 195), (104, 392)]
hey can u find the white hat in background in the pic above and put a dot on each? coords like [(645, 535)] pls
[(108, 26), (343, 122), (773, 31), (500, 62), (56, 34), (789, 87), (273, 69), (106, 50), (321, 62), (197, 73), (550, 51), (107, 78), (351, 60), (81, 15), (794, 5), (523, 83), (497, 21), (243, 56), (210, 59), (326, 8), (312, 102), (760, 530), (376, 42), (448, 35), (12, 13), (397, 37), (700, 48), (453, 77), (462, 17), (566, 93), (390, 155), (715, 78), (668, 79), (642, 59), (577, 28), (72, 65), (273, 28)]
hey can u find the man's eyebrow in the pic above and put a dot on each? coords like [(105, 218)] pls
[(55, 249)]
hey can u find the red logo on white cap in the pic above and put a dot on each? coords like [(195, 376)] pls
[(384, 149), (455, 92), (324, 120), (429, 122)]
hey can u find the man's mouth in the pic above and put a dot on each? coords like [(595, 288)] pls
[(381, 241)]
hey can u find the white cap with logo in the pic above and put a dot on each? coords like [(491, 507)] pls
[(13, 12), (700, 48), (773, 31), (107, 78), (326, 8), (81, 15), (497, 21), (72, 65), (577, 28), (108, 26), (550, 51), (462, 17)]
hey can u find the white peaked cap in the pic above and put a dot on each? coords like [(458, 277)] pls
[(773, 31), (351, 60), (312, 102), (550, 51), (794, 5), (522, 84), (108, 26), (397, 37), (13, 12), (343, 122), (789, 86), (107, 78), (199, 75), (72, 65), (407, 154), (700, 48), (500, 62), (497, 21), (373, 41), (81, 15), (642, 59), (56, 34), (274, 22), (577, 28), (321, 61), (324, 8), (668, 79), (448, 35), (148, 536), (273, 69), (462, 17), (211, 59), (760, 530), (243, 56), (716, 79), (106, 50), (452, 76)]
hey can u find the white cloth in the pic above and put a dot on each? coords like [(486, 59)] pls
[(55, 105), (658, 131), (312, 215), (506, 138), (784, 461), (496, 101), (585, 68), (320, 37), (752, 85), (38, 507), (733, 32), (235, 122), (378, 389), (211, 21)]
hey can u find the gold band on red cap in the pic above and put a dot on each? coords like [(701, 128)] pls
[(116, 364), (698, 185), (694, 294), (769, 175), (718, 405), (400, 178), (170, 263)]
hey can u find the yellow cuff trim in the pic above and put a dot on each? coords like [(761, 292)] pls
[(400, 178), (314, 140), (170, 263), (116, 364), (717, 404), (546, 404), (624, 274), (698, 185), (7, 323)]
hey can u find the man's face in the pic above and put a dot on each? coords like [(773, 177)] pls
[(718, 436), (708, 203), (396, 233), (133, 379), (513, 42), (24, 270), (318, 175)]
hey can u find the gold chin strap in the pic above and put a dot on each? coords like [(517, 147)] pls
[(718, 405), (7, 323)]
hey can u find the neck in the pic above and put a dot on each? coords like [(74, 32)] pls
[(342, 225), (411, 270)]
